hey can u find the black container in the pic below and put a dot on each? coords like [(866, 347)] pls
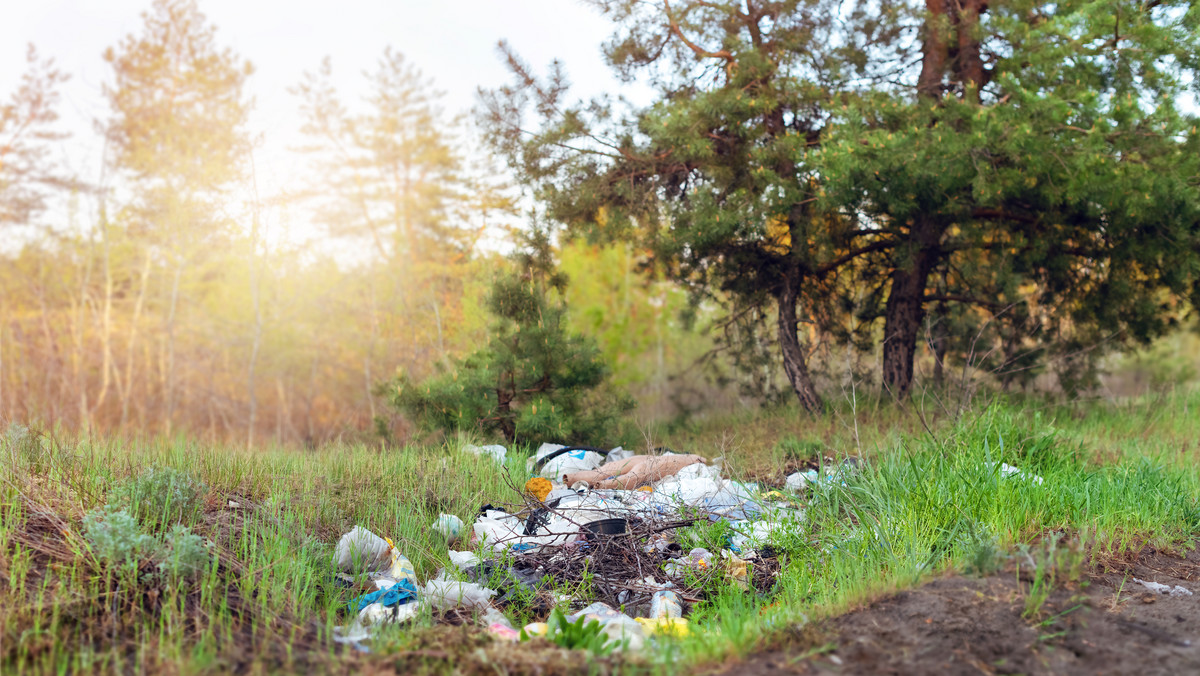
[(606, 527)]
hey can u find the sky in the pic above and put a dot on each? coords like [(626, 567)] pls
[(453, 42)]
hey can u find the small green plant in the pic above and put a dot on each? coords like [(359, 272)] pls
[(983, 554), (791, 448), (160, 496), (184, 554), (578, 635), (116, 537)]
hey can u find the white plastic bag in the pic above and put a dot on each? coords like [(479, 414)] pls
[(570, 462), (464, 560), (360, 550), (615, 624), (450, 526), (442, 593), (618, 453), (796, 483), (699, 471), (497, 529), (495, 451), (542, 451)]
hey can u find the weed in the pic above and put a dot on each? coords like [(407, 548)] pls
[(116, 537), (578, 635), (160, 496), (983, 556), (184, 554)]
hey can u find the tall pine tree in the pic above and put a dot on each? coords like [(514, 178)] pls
[(883, 157)]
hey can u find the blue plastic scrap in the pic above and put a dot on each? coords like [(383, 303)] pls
[(396, 595)]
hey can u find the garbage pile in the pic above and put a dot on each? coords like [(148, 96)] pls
[(602, 523)]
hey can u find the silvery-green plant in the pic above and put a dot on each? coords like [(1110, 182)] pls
[(115, 536), (184, 554)]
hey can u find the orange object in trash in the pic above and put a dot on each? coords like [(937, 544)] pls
[(539, 488)]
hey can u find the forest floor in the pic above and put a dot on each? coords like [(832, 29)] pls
[(925, 559)]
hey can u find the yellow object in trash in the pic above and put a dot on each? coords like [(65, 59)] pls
[(664, 626), (737, 572), (539, 488), (401, 568), (536, 629)]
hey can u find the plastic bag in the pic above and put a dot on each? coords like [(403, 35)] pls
[(618, 453), (495, 451), (401, 593), (442, 593), (360, 550), (497, 529), (615, 624), (464, 560), (450, 526), (570, 462), (796, 482), (665, 604), (363, 626)]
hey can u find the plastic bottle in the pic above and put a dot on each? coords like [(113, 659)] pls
[(450, 526), (665, 603)]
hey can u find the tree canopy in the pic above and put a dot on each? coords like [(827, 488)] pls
[(851, 162)]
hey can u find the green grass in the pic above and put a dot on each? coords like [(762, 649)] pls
[(928, 498)]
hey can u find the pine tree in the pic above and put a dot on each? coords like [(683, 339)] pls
[(713, 177), (534, 380), (1040, 162), (27, 127), (178, 135), (816, 156)]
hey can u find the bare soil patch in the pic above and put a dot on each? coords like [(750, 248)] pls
[(962, 625)]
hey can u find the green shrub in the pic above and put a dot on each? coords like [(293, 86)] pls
[(116, 537), (183, 554), (160, 496), (534, 381)]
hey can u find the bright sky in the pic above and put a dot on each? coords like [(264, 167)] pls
[(452, 41)]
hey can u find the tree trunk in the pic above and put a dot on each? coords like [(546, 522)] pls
[(169, 367), (933, 51), (125, 390), (256, 339), (794, 362), (906, 308), (969, 63), (508, 426), (940, 343)]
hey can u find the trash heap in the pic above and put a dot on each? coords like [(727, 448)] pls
[(602, 523)]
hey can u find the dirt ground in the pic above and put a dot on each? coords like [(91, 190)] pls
[(960, 625)]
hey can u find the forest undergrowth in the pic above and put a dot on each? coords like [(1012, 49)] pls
[(177, 557)]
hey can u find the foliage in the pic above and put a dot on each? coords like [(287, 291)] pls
[(116, 536), (535, 380), (1027, 163), (184, 554), (27, 130), (160, 496), (581, 634)]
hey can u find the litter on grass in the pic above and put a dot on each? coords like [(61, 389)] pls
[(606, 522), (495, 451), (1160, 588), (1007, 471)]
